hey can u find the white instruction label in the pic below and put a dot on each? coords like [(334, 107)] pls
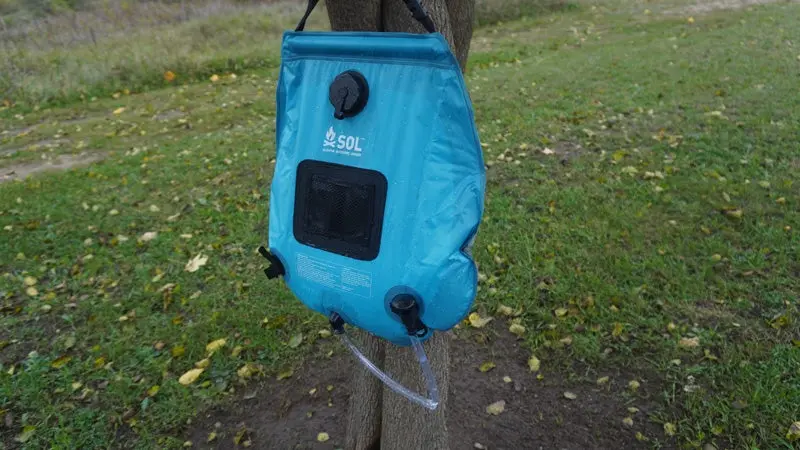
[(336, 276)]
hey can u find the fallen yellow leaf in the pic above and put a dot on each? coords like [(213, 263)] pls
[(517, 329), (487, 366), (215, 345), (570, 395), (602, 380), (211, 436), (203, 363), (196, 263), (496, 407), (190, 377), (169, 76), (214, 78), (178, 351), (477, 321), (32, 291), (561, 312), (794, 432), (285, 374), (633, 385), (628, 422), (119, 111), (30, 281), (505, 310), (534, 364), (670, 429), (689, 342), (323, 437), (61, 362), (153, 391), (236, 351)]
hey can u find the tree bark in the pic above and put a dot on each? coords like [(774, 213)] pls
[(378, 418), (364, 409), (407, 425)]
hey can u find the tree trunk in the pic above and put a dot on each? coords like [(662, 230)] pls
[(364, 409), (395, 423), (407, 425)]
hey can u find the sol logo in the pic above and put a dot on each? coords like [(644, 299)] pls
[(343, 142)]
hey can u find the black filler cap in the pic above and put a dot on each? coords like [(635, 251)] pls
[(348, 94), (406, 306)]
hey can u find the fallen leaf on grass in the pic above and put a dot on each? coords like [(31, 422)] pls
[(190, 377), (285, 374), (734, 213), (477, 321), (153, 391), (504, 310), (26, 435), (561, 312), (211, 436), (633, 385), (215, 345), (794, 432), (61, 362), (689, 342), (670, 429), (323, 437), (196, 263), (169, 76), (178, 351), (236, 351), (507, 379), (324, 333), (602, 380), (570, 395), (214, 78), (534, 364), (487, 366), (296, 340), (203, 363), (496, 407), (32, 291), (517, 329), (30, 281), (119, 111), (148, 236)]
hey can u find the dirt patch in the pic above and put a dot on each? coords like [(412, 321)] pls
[(45, 144), (537, 414), (63, 162), (703, 7)]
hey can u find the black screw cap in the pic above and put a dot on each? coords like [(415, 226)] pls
[(348, 94), (406, 306)]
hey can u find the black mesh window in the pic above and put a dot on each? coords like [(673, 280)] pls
[(339, 208)]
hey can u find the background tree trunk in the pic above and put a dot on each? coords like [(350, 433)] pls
[(407, 425), (364, 408), (378, 418)]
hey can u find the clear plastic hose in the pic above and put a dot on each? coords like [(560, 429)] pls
[(431, 402)]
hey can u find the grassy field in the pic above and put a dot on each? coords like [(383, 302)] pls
[(642, 211)]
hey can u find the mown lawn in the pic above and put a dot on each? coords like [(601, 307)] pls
[(642, 211)]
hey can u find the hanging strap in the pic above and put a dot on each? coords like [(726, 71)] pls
[(430, 402), (417, 11)]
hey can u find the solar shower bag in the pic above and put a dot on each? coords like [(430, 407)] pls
[(379, 178)]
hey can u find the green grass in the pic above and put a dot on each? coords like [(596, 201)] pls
[(668, 210)]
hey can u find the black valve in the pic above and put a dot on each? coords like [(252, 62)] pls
[(348, 94), (275, 268), (406, 306)]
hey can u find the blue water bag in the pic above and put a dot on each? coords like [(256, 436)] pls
[(379, 181)]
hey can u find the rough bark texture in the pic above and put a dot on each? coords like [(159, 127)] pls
[(453, 18), (396, 423), (364, 408), (355, 15), (407, 425)]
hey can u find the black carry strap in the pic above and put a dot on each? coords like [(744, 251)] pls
[(417, 11)]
